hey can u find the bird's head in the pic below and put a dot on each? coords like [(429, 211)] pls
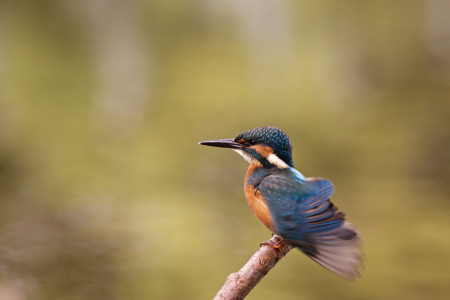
[(268, 146)]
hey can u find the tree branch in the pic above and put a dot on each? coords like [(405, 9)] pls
[(239, 284)]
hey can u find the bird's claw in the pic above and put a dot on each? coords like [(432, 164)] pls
[(274, 245)]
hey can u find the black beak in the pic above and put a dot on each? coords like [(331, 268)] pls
[(225, 143)]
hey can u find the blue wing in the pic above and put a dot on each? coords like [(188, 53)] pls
[(304, 215)]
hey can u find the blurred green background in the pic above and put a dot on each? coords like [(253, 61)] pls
[(105, 194)]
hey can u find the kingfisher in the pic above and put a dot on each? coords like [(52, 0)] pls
[(295, 207)]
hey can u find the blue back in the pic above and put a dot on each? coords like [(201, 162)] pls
[(292, 200)]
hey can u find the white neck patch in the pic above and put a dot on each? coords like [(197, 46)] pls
[(275, 160)]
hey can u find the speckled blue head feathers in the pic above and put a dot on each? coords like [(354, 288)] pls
[(266, 141), (266, 146)]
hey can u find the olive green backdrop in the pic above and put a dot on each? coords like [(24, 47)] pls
[(105, 194)]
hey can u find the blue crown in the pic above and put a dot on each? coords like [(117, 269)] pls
[(272, 137)]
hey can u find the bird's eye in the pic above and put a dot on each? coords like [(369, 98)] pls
[(252, 142)]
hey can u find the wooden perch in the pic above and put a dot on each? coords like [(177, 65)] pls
[(239, 284)]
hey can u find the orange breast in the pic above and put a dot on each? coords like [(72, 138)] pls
[(257, 203)]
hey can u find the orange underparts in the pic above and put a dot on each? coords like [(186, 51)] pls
[(256, 202)]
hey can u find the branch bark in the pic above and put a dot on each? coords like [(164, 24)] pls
[(239, 284)]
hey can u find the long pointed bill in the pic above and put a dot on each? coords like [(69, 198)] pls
[(225, 143)]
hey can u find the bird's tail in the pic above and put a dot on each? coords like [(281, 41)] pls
[(338, 250)]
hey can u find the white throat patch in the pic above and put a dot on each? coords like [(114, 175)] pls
[(275, 160), (247, 157)]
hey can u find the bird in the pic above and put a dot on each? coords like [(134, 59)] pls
[(292, 206)]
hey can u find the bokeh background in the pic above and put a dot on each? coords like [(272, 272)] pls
[(105, 194)]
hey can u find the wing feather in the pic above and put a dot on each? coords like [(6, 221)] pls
[(304, 215)]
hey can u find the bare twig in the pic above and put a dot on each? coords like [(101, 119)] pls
[(238, 285)]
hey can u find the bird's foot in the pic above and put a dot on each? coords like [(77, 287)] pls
[(274, 245)]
